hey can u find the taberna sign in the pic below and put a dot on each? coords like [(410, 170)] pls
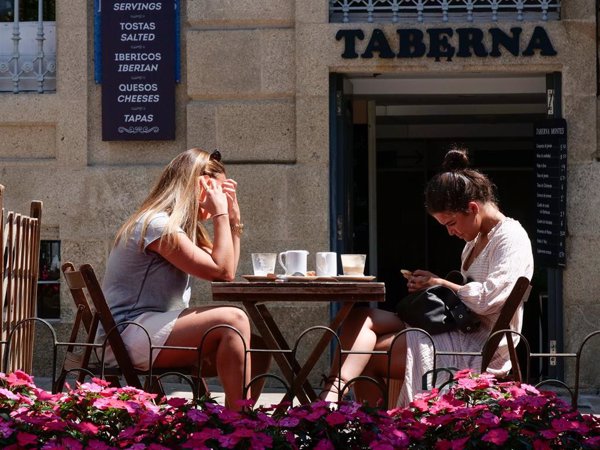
[(444, 43)]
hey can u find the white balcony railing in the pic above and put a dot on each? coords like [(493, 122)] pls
[(27, 50), (419, 11)]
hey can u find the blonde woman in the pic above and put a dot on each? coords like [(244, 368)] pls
[(156, 251)]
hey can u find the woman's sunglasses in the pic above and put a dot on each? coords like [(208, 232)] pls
[(215, 155)]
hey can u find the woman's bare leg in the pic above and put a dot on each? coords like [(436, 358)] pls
[(360, 332), (371, 393), (225, 344), (261, 362)]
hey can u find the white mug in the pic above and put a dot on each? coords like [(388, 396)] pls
[(326, 263), (293, 261)]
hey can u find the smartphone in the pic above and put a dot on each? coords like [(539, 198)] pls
[(406, 273)]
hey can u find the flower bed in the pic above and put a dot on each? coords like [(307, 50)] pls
[(477, 412)]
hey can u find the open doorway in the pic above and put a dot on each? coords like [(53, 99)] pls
[(397, 131)]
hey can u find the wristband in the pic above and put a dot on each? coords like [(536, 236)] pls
[(222, 214)]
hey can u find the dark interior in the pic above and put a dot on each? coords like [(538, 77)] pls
[(407, 238)]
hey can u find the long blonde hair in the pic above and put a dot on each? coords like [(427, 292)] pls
[(176, 193)]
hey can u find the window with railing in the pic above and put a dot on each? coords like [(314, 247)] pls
[(48, 289), (418, 11), (27, 46)]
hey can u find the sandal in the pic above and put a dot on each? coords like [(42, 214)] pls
[(332, 387)]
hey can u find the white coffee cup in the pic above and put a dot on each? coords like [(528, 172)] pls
[(353, 264), (326, 264), (293, 261), (264, 263)]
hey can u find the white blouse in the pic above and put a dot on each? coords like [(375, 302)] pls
[(493, 273)]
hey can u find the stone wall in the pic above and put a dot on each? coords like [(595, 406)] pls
[(255, 84)]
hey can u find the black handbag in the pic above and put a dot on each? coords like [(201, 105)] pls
[(437, 309)]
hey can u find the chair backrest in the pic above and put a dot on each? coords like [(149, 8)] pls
[(86, 320), (110, 327), (518, 295), (19, 268)]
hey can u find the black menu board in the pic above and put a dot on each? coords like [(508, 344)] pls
[(550, 191), (138, 70)]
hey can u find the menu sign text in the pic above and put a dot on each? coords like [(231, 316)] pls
[(138, 70), (550, 138)]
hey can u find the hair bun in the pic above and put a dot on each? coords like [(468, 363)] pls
[(456, 159)]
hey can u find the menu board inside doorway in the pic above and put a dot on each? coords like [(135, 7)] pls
[(138, 69), (550, 137)]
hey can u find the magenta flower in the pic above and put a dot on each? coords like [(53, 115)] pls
[(380, 446), (8, 394), (561, 425), (324, 444), (24, 439), (98, 445), (335, 418), (496, 436), (19, 378), (487, 420), (176, 402), (538, 444), (260, 441)]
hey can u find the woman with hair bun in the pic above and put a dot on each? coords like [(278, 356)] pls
[(497, 252)]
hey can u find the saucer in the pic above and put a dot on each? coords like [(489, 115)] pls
[(355, 277), (256, 278)]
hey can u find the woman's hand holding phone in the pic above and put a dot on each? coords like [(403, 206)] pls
[(421, 279)]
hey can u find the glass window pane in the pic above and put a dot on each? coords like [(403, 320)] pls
[(48, 306), (48, 294)]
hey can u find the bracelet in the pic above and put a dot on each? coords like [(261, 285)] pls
[(222, 214), (237, 229)]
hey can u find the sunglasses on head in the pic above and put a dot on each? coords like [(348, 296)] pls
[(215, 155)]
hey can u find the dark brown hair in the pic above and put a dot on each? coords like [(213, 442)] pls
[(456, 185)]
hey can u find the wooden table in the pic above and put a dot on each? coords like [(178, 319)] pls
[(255, 295)]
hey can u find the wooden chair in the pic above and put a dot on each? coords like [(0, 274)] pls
[(19, 267), (519, 294), (93, 310)]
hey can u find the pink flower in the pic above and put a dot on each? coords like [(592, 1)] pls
[(87, 428), (561, 425), (19, 378), (324, 444), (487, 420), (70, 443), (24, 439), (228, 441), (289, 422), (548, 434), (459, 444), (261, 441), (8, 394), (176, 402), (538, 444), (197, 416), (335, 418), (98, 445), (380, 446), (509, 415), (465, 373), (593, 442), (496, 436)]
